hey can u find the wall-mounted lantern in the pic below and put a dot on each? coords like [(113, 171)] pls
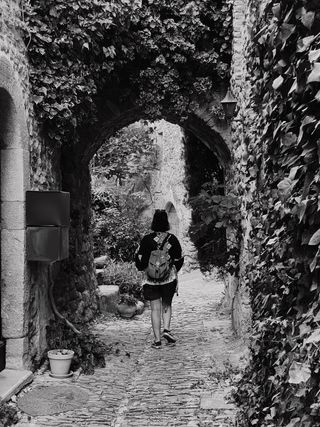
[(48, 221), (229, 104)]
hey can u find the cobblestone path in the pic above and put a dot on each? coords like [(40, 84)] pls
[(184, 385)]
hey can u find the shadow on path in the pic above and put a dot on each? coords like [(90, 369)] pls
[(184, 385)]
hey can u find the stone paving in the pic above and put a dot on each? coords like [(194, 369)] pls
[(184, 385)]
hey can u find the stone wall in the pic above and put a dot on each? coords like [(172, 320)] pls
[(245, 131), (26, 163), (169, 185)]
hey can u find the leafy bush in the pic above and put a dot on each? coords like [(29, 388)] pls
[(211, 215), (130, 155), (126, 276), (8, 415), (117, 224), (89, 352), (127, 299)]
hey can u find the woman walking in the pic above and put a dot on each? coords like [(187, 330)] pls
[(160, 257)]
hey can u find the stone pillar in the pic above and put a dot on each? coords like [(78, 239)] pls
[(14, 289)]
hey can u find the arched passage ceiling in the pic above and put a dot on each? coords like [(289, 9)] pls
[(213, 133)]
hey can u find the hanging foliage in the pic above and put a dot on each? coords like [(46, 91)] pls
[(165, 55), (281, 386)]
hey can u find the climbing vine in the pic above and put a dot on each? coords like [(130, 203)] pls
[(162, 54), (280, 388)]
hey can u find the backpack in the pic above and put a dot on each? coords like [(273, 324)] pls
[(159, 262)]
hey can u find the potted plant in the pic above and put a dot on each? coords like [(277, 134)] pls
[(127, 305), (60, 362)]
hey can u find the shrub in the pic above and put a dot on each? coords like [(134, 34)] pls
[(117, 224), (126, 276), (127, 299), (89, 351), (8, 415)]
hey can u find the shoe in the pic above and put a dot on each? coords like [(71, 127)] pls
[(156, 344), (169, 337)]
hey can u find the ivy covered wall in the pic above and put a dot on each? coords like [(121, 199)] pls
[(276, 170)]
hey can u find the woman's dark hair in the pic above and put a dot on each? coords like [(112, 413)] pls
[(160, 221)]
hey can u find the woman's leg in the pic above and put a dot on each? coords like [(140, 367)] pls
[(156, 318), (166, 315), (168, 291)]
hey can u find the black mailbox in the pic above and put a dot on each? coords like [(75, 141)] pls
[(48, 208), (47, 243), (48, 219)]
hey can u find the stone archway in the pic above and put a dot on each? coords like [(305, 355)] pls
[(14, 183), (77, 278)]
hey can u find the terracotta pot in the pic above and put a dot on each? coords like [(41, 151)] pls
[(127, 311), (60, 361)]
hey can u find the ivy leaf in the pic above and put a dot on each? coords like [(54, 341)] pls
[(313, 338), (285, 187), (295, 422), (294, 86), (293, 172), (53, 12), (317, 317), (285, 31), (276, 10), (307, 18), (314, 76), (302, 209), (289, 139), (299, 373), (317, 96), (304, 329), (304, 44), (219, 225), (37, 99), (313, 55), (277, 82), (314, 262), (315, 238)]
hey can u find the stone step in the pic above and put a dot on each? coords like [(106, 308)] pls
[(12, 381), (108, 298)]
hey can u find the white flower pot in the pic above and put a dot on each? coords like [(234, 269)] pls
[(60, 362)]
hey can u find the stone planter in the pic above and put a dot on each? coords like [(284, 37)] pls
[(60, 362), (127, 311), (108, 298)]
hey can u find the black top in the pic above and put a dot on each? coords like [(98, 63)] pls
[(148, 244)]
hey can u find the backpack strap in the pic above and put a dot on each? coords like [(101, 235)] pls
[(164, 241)]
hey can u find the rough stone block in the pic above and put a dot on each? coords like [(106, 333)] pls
[(108, 298), (16, 349), (13, 274), (12, 215), (14, 174), (214, 401), (12, 381)]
